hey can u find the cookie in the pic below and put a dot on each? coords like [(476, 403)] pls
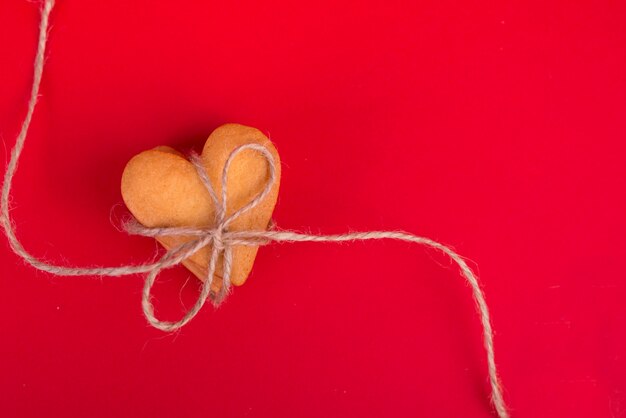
[(161, 188)]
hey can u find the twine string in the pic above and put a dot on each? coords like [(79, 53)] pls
[(219, 237)]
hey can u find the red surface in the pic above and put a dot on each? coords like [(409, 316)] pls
[(498, 129)]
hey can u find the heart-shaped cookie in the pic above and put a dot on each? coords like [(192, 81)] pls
[(161, 188)]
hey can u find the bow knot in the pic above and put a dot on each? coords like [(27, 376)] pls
[(219, 237)]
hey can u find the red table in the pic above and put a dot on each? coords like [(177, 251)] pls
[(498, 129)]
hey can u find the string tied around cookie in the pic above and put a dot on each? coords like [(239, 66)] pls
[(220, 237)]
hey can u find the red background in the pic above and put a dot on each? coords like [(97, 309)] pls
[(498, 129)]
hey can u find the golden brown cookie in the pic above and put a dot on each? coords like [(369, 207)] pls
[(161, 188)]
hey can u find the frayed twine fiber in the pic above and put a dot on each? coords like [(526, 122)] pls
[(221, 239)]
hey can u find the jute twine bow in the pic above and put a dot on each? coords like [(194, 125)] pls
[(221, 239)]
